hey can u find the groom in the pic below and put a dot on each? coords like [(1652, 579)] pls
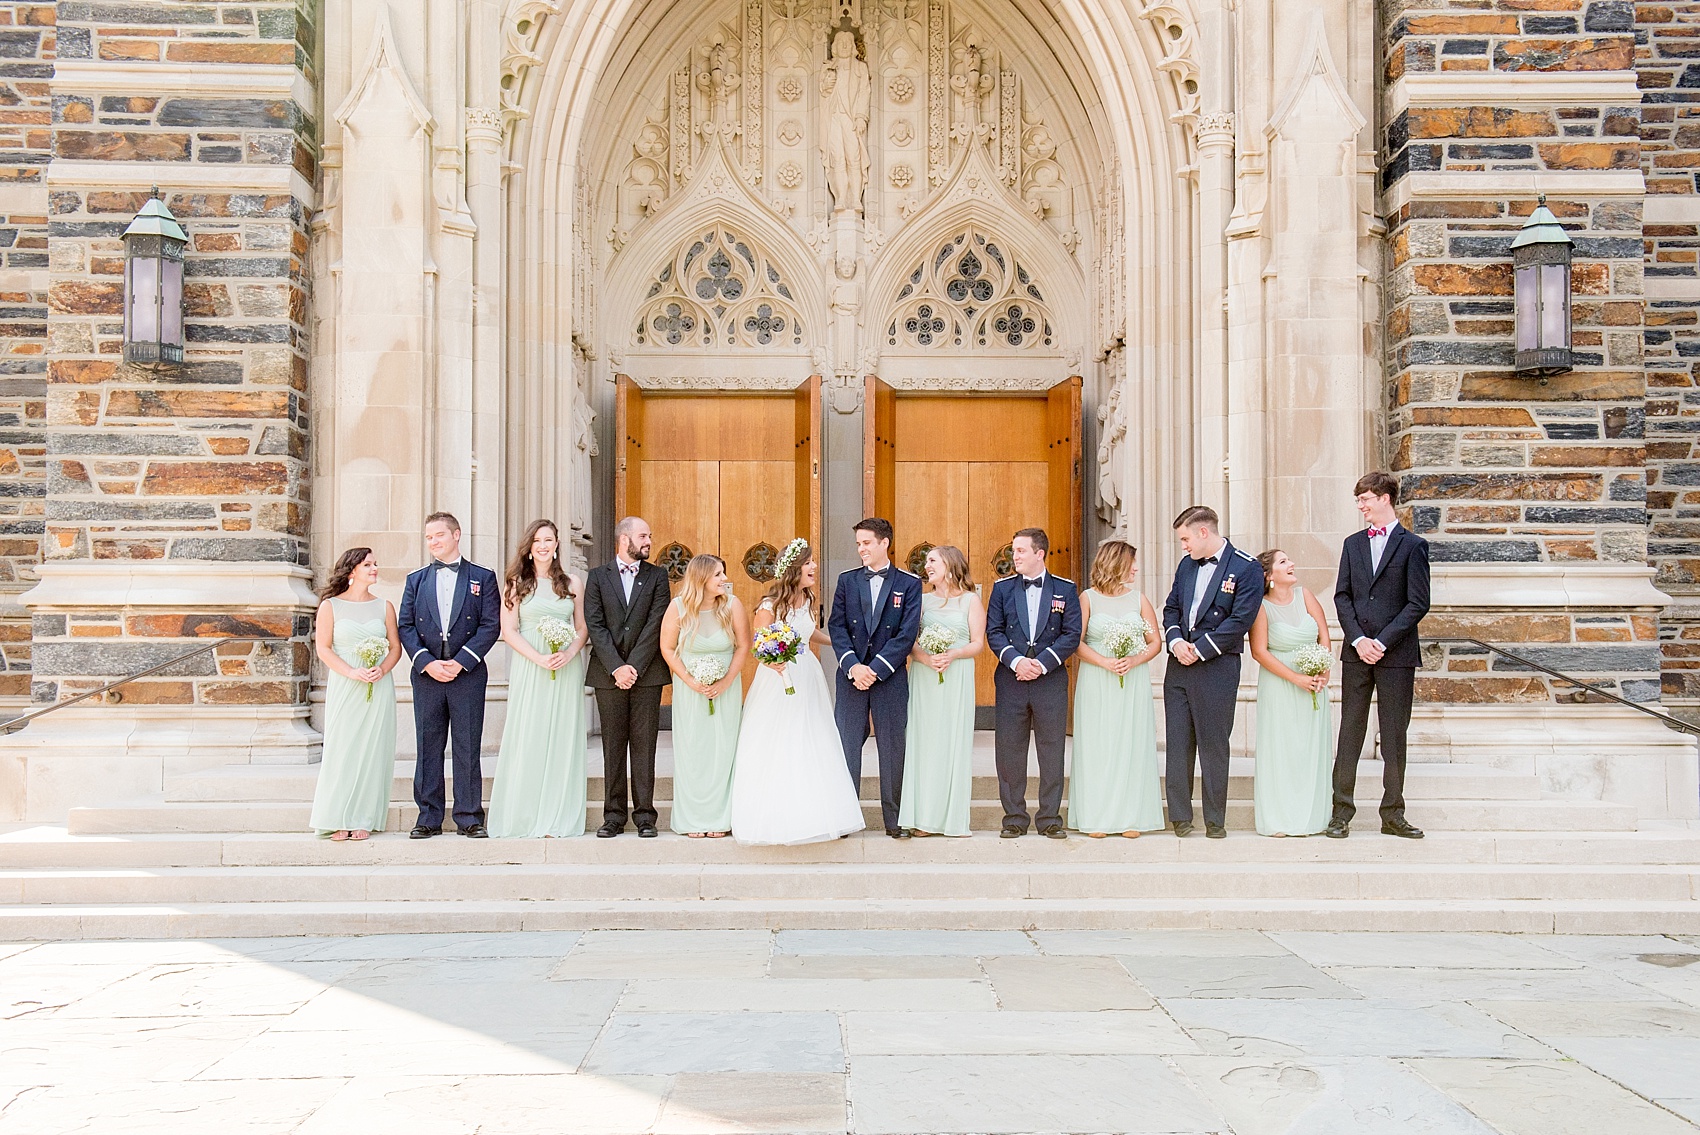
[(876, 616)]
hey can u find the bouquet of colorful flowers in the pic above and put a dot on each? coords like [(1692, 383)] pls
[(1124, 638), (1310, 661), (555, 634), (370, 652), (778, 645), (936, 639), (708, 669)]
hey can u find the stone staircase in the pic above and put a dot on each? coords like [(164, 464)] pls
[(223, 853)]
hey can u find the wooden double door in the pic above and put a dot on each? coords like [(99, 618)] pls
[(970, 470), (736, 475)]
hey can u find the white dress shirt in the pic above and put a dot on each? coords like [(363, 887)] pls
[(1203, 585), (628, 577), (1377, 549), (1033, 596), (445, 581), (874, 585)]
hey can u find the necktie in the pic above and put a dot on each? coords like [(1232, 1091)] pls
[(1032, 582), (1377, 533)]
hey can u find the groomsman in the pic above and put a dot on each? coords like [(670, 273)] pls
[(624, 602), (450, 618), (1381, 596), (1032, 625), (1217, 593), (876, 616)]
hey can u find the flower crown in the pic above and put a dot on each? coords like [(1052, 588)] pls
[(792, 550)]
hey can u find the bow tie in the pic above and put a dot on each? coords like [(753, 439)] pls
[(441, 566), (1206, 560), (1377, 533), (629, 569), (880, 574), (1025, 582)]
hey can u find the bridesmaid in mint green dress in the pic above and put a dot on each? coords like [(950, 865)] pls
[(938, 773), (1292, 782), (352, 796), (705, 622), (1113, 784), (540, 785)]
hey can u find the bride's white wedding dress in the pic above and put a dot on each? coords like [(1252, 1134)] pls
[(790, 783)]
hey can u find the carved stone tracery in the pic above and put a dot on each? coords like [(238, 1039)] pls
[(971, 294), (719, 290)]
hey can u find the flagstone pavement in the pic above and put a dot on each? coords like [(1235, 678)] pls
[(687, 1032)]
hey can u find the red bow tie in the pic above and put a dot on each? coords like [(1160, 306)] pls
[(1377, 533)]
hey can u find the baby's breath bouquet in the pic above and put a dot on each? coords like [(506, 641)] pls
[(1310, 661), (370, 652), (936, 639), (555, 633), (1126, 637), (708, 669)]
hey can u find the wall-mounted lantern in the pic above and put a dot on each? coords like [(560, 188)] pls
[(153, 286), (1540, 259)]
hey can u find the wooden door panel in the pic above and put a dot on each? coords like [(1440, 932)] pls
[(879, 448), (932, 507), (1003, 496), (1062, 442), (628, 447), (681, 502), (806, 438), (758, 500), (975, 427)]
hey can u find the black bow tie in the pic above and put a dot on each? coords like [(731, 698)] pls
[(880, 574), (441, 566), (1025, 582), (1205, 560)]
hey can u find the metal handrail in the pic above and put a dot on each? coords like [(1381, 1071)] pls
[(17, 723), (1674, 722)]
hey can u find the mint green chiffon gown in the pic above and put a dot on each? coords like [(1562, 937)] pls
[(358, 766), (540, 785), (938, 766), (1114, 785), (705, 744), (1292, 781)]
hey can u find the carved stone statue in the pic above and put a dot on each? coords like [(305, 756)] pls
[(845, 93), (584, 448)]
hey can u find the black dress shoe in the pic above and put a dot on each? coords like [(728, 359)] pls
[(1010, 831), (475, 831), (647, 831), (1053, 831), (420, 831), (897, 833), (609, 830), (1401, 827), (1183, 828), (1215, 831), (1338, 829)]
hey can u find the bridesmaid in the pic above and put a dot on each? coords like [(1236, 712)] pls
[(1292, 785), (938, 775), (1114, 785), (705, 620), (352, 797), (540, 786)]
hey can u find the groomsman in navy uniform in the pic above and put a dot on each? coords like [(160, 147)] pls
[(1381, 596), (1217, 593), (450, 618), (1032, 625), (876, 617)]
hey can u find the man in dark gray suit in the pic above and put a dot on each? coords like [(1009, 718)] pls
[(624, 601), (1381, 596)]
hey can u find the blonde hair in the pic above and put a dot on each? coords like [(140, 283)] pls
[(1110, 566), (955, 566), (693, 596)]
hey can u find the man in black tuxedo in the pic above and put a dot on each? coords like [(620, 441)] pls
[(450, 618), (624, 602), (1032, 625), (1217, 593), (1381, 596), (876, 617)]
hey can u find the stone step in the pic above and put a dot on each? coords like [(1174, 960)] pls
[(159, 815), (250, 919), (54, 847), (294, 783), (1088, 882)]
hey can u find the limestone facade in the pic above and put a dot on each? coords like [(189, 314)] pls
[(428, 236)]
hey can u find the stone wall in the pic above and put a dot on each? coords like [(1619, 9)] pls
[(1667, 62), (1486, 107), (26, 66)]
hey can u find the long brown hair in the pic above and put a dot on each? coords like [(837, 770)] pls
[(521, 578), (787, 592), (1266, 561), (345, 565), (955, 566), (694, 596), (1110, 566)]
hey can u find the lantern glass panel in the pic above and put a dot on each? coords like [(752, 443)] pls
[(144, 299), (171, 303), (1528, 307), (1555, 306)]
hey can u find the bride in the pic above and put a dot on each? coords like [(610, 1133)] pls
[(789, 782)]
